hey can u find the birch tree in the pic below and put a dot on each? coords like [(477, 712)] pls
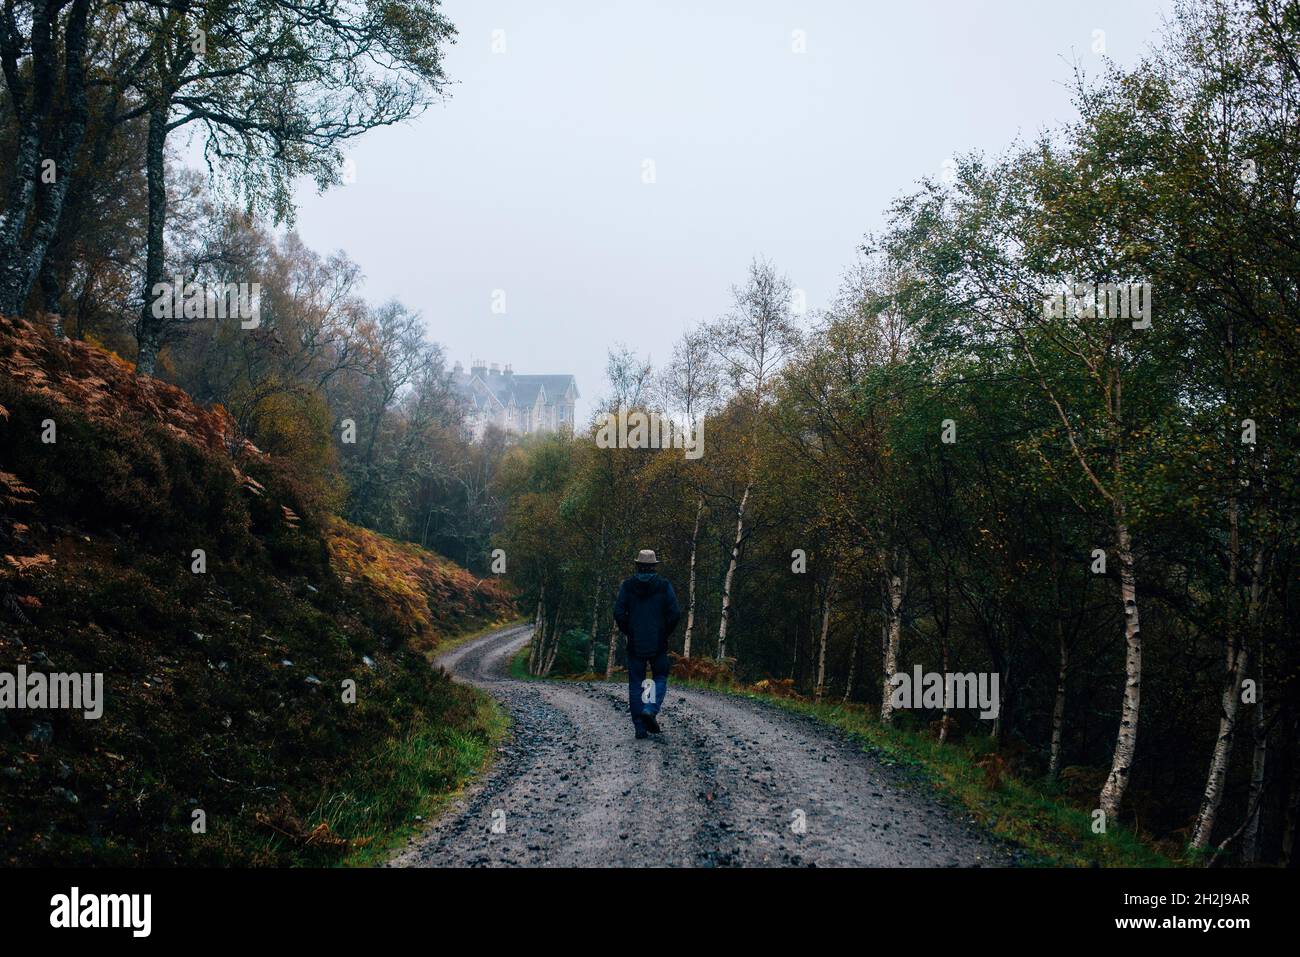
[(751, 342), (691, 386), (1078, 311)]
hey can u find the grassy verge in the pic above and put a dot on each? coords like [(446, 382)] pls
[(519, 665), (1034, 814), (410, 780)]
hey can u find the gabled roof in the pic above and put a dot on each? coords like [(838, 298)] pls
[(527, 393), (479, 394), (555, 385), (504, 389)]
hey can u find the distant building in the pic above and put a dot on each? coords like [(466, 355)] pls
[(514, 403)]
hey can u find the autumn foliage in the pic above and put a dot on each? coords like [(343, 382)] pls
[(222, 687), (103, 386), (424, 595)]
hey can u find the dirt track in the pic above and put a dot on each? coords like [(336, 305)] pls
[(721, 786)]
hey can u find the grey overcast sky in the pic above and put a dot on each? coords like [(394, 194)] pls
[(529, 177)]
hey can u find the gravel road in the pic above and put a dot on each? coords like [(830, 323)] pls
[(729, 782)]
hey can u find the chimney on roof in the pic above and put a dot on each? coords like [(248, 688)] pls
[(458, 368), (494, 369), (476, 367)]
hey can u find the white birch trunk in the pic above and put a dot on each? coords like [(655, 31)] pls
[(539, 622), (1229, 706), (1237, 655), (827, 594), (595, 623), (548, 661), (690, 603), (540, 654), (1112, 793), (731, 572), (894, 628)]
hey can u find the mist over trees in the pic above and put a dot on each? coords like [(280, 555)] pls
[(1047, 429)]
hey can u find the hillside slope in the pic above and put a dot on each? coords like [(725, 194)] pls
[(142, 538)]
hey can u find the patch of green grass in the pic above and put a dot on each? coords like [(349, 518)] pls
[(519, 665), (416, 775), (518, 668)]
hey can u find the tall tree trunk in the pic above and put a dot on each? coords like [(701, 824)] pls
[(1112, 793), (894, 585), (1058, 708), (794, 657), (609, 655), (149, 333), (549, 661), (1005, 720), (690, 603), (945, 723), (1236, 655), (539, 625), (71, 132), (1236, 645), (1230, 700), (22, 253), (1255, 800), (55, 273), (853, 665), (945, 644), (32, 110), (1259, 759), (731, 572), (827, 594), (595, 622), (1062, 670)]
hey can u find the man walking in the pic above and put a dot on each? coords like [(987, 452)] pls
[(646, 611)]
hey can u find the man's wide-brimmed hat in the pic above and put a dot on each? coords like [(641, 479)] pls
[(646, 557)]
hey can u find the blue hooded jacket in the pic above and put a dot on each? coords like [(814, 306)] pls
[(646, 611)]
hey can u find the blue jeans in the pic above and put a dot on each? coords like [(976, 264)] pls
[(637, 697)]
